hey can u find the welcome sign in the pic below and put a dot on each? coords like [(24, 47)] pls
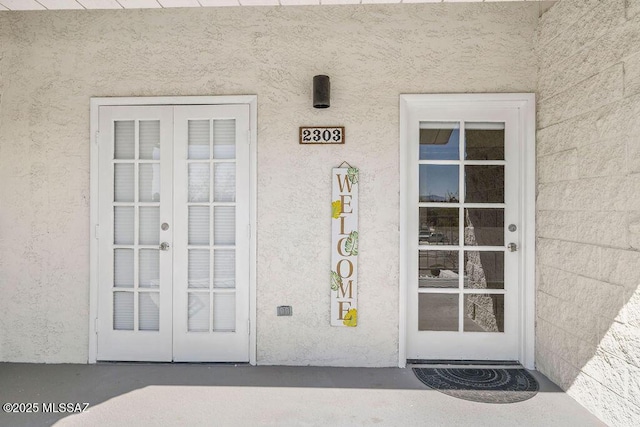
[(344, 242)]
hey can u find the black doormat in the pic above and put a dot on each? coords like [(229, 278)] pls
[(481, 384)]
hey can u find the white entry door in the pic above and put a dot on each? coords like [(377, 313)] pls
[(463, 228), (173, 232)]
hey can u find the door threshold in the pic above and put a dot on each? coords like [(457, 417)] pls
[(447, 363)]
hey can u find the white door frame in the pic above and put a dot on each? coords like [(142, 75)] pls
[(96, 103), (525, 103)]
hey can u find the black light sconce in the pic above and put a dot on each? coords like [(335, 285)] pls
[(321, 91)]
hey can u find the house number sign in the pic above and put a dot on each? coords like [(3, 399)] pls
[(344, 247), (322, 135)]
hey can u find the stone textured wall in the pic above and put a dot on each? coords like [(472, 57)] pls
[(53, 62), (588, 206)]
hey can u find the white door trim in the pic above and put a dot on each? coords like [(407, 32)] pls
[(96, 103), (525, 102)]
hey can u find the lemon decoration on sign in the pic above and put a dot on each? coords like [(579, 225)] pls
[(336, 209), (351, 318)]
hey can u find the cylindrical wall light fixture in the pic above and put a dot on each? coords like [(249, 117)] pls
[(321, 91)]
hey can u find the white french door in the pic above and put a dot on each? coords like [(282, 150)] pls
[(174, 218), (463, 232)]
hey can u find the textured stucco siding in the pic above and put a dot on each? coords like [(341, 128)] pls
[(588, 206), (53, 62)]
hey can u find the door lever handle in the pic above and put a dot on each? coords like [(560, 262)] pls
[(512, 247), (164, 246)]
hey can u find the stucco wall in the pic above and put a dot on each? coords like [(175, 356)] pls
[(53, 62), (588, 326)]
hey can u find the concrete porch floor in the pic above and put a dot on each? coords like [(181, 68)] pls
[(224, 395)]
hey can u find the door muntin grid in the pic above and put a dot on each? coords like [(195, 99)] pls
[(211, 205), (461, 229), (135, 168)]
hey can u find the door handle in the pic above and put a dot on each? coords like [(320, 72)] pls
[(164, 246), (512, 247)]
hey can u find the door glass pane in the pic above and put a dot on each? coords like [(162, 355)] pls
[(437, 312), (123, 268), (439, 226), (149, 225), (224, 225), (484, 227), (150, 139), (199, 182), (224, 182), (123, 224), (224, 269), (198, 317), (484, 270), (149, 311), (199, 133), (484, 184), (439, 141), (438, 269), (199, 269), (439, 183), (123, 311), (484, 313), (123, 183), (149, 268), (149, 182), (199, 225), (224, 139), (124, 135), (484, 141), (224, 312)]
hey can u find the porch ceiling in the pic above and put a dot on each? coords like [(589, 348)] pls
[(9, 5)]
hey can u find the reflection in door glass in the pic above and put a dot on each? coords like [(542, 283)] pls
[(149, 268), (224, 268), (199, 268), (483, 313), (149, 183), (484, 141), (198, 312), (224, 182), (438, 269), (439, 183), (439, 226), (149, 311), (199, 182), (484, 227), (149, 225), (149, 139), (437, 312), (484, 270), (484, 184), (439, 141)]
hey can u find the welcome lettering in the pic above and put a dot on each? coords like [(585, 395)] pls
[(344, 257)]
